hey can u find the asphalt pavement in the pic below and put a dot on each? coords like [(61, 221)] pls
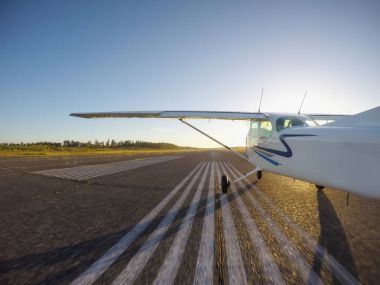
[(163, 220)]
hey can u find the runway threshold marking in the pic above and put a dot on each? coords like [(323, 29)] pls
[(139, 260), (334, 266), (102, 264), (235, 265), (306, 273), (169, 268), (272, 272), (90, 171), (204, 269)]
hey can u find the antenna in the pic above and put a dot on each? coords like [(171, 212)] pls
[(331, 104), (303, 99), (261, 98)]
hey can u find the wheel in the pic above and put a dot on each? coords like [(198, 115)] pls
[(259, 174), (319, 187), (225, 184)]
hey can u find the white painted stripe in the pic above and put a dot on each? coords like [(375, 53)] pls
[(335, 267), (169, 268), (204, 271), (101, 265), (270, 268), (89, 171), (70, 175), (77, 175), (100, 172), (306, 273), (235, 265), (139, 260), (80, 172)]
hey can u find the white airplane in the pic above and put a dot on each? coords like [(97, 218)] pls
[(343, 154)]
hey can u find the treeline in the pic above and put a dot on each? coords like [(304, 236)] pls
[(109, 144)]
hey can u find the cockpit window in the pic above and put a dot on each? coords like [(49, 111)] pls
[(289, 122), (261, 129), (265, 129)]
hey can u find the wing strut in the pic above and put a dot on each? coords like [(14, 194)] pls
[(227, 147), (215, 140), (247, 175)]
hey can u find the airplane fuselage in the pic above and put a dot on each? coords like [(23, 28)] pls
[(345, 158)]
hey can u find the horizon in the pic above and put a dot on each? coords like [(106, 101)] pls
[(101, 144)]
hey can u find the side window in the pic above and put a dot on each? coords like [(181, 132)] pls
[(262, 129), (265, 129), (254, 130)]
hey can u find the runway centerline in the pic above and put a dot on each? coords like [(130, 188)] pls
[(236, 271)]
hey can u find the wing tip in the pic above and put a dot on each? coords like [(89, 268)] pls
[(79, 115)]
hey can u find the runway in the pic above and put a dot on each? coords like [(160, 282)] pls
[(164, 220)]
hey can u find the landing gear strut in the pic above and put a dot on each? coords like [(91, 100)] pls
[(319, 187), (225, 184)]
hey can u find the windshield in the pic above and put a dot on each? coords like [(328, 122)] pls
[(293, 121)]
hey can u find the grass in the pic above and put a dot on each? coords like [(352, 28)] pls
[(81, 151)]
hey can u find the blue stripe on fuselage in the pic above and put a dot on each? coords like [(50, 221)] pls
[(268, 159), (288, 152)]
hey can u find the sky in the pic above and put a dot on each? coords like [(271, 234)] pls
[(59, 57)]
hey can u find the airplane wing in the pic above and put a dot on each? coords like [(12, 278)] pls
[(174, 115), (326, 117)]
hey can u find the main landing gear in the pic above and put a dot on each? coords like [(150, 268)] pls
[(225, 184)]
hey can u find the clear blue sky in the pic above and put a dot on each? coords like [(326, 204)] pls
[(58, 57)]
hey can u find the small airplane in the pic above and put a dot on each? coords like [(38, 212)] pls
[(342, 154)]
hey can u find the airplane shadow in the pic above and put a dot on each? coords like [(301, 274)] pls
[(98, 246), (332, 238)]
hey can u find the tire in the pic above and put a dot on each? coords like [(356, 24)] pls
[(225, 184), (259, 174)]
